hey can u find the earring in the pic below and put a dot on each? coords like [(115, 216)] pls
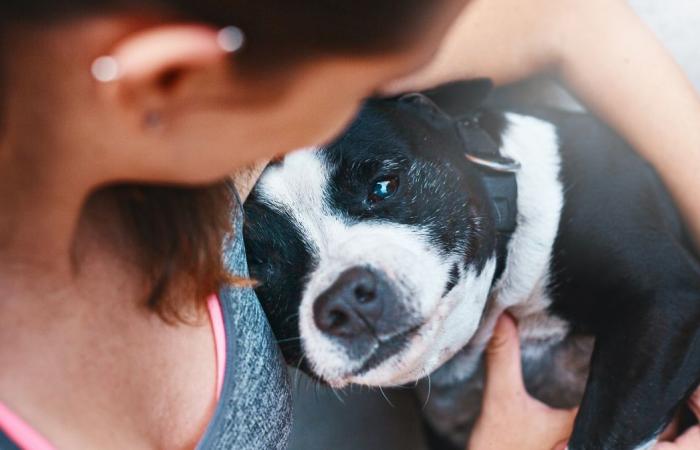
[(230, 39), (106, 69)]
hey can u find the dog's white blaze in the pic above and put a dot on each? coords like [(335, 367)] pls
[(298, 189)]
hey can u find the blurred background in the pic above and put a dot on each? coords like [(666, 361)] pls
[(360, 418)]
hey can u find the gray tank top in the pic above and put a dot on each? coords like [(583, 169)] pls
[(255, 407), (254, 410)]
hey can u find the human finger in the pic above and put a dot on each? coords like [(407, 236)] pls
[(503, 366)]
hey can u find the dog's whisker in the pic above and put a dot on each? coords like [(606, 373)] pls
[(337, 395), (386, 398), (297, 375), (294, 339), (425, 405), (292, 316), (316, 386)]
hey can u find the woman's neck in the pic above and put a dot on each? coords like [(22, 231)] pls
[(40, 208), (84, 327)]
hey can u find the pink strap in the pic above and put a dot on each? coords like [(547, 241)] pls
[(217, 325), (20, 432), (26, 437)]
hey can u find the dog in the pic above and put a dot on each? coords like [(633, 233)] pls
[(388, 256)]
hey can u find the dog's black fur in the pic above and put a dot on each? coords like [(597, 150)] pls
[(622, 269)]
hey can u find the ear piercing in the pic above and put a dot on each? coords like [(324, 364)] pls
[(153, 120), (106, 69), (230, 39)]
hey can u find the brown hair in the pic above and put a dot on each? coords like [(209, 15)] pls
[(180, 231)]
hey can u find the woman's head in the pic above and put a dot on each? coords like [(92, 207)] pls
[(302, 71), (183, 110)]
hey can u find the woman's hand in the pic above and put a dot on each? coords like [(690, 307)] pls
[(690, 439), (510, 418)]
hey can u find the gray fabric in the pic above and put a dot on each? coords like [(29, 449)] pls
[(255, 408), (6, 443), (356, 418)]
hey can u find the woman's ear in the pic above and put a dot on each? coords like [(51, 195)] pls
[(144, 68)]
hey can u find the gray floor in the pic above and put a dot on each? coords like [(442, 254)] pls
[(358, 418), (364, 420), (677, 24)]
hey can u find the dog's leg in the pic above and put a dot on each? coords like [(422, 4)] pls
[(645, 364), (450, 408)]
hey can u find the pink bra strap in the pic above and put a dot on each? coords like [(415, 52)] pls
[(19, 432), (24, 436), (217, 324)]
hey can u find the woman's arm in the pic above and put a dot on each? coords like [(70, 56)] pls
[(606, 55), (621, 71)]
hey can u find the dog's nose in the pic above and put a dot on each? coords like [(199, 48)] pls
[(352, 306)]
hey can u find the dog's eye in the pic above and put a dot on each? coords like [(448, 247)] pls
[(383, 188)]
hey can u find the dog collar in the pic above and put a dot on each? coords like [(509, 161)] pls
[(499, 177), (498, 172)]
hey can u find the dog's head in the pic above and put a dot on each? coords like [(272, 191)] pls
[(375, 255)]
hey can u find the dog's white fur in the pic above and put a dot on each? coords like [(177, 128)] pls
[(418, 270)]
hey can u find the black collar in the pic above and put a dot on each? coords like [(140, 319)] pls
[(499, 177)]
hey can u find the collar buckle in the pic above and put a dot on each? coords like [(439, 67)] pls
[(498, 171), (481, 150), (500, 164)]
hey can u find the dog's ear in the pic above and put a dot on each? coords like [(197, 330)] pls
[(422, 101), (461, 98)]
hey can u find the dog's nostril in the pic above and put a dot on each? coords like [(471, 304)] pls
[(365, 295), (337, 319)]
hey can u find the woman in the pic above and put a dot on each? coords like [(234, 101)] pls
[(120, 123), (109, 336)]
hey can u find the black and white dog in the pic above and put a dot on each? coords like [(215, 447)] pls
[(389, 255)]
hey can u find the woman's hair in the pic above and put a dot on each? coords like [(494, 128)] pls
[(180, 231), (278, 32)]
